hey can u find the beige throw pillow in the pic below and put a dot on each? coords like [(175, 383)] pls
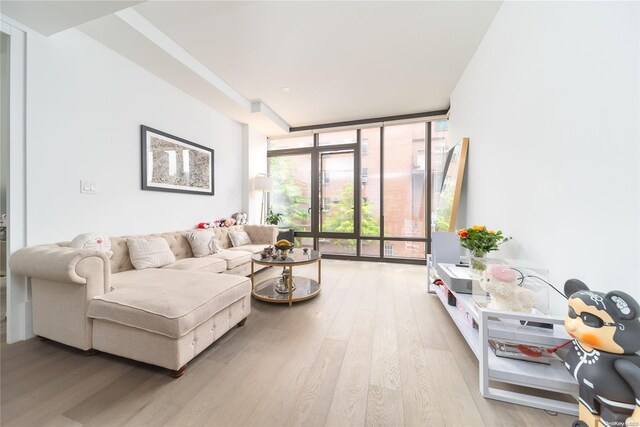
[(150, 252), (203, 242), (239, 238)]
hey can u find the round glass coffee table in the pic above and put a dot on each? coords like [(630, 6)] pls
[(287, 288)]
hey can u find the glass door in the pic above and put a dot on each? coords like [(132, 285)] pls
[(291, 194), (337, 210)]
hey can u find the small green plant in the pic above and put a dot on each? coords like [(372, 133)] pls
[(273, 218)]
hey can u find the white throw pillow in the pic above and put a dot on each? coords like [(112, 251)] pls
[(94, 241), (239, 238), (149, 252), (203, 242)]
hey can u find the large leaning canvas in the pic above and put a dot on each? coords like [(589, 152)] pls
[(173, 164), (451, 187)]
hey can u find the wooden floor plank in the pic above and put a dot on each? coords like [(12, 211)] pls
[(107, 396), (312, 403), (42, 411), (384, 407), (62, 421), (418, 393), (385, 362), (349, 404)]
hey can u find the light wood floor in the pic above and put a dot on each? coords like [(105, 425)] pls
[(373, 349)]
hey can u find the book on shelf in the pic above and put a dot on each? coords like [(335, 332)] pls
[(528, 353)]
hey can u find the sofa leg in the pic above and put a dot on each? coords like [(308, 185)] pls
[(242, 322), (91, 352), (178, 373)]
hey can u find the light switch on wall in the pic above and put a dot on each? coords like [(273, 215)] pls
[(88, 187)]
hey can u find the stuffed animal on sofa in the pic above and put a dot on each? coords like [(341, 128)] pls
[(240, 217), (205, 225), (602, 357), (226, 222), (500, 282), (94, 241)]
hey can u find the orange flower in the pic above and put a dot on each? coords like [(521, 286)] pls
[(491, 231), (463, 234), (478, 227)]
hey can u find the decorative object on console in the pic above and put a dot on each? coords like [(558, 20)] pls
[(239, 238), (528, 353), (149, 252), (603, 358), (174, 164), (203, 242), (500, 281), (94, 241), (480, 242), (264, 183)]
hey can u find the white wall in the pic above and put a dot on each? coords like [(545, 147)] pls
[(255, 148), (85, 105), (550, 102)]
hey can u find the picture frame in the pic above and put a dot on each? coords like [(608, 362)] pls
[(173, 164)]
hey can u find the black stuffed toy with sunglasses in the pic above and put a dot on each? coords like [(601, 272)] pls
[(602, 356)]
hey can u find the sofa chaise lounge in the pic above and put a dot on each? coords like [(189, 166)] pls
[(161, 316)]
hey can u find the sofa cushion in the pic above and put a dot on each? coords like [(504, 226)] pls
[(239, 238), (203, 242), (233, 258), (253, 248), (208, 264), (150, 252), (165, 301)]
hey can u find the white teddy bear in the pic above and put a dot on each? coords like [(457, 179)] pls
[(240, 217)]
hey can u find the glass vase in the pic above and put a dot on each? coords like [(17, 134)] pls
[(477, 263)]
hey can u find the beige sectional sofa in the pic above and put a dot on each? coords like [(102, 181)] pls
[(162, 316)]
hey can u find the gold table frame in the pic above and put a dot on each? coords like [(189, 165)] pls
[(297, 260)]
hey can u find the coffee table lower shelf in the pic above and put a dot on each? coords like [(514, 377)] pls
[(305, 288)]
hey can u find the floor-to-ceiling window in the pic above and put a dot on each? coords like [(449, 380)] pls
[(360, 192)]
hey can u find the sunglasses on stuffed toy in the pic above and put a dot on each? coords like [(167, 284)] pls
[(589, 319)]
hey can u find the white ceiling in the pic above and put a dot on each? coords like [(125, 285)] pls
[(341, 60), (51, 16)]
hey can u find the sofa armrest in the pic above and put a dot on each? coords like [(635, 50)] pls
[(60, 264), (266, 234)]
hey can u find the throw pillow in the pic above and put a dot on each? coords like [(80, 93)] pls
[(203, 242), (149, 252), (239, 238), (94, 241)]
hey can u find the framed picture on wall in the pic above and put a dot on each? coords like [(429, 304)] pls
[(173, 164)]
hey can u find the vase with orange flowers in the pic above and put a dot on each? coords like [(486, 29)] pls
[(480, 241)]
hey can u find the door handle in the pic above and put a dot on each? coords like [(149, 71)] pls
[(309, 211)]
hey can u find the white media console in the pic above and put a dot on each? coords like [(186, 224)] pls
[(506, 326)]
